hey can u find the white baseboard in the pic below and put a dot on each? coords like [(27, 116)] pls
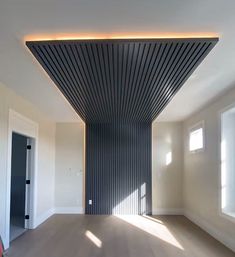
[(168, 211), (58, 210), (210, 229), (43, 217), (69, 210)]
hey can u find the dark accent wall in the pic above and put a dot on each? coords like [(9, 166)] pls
[(118, 87), (118, 168)]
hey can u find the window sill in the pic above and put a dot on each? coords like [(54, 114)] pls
[(196, 151), (229, 215)]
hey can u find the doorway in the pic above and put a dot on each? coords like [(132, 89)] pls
[(20, 182), (22, 125)]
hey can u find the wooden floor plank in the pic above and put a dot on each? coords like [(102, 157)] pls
[(123, 236)]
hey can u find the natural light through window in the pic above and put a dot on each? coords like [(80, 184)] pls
[(227, 163), (143, 198), (196, 139), (168, 158), (125, 204), (94, 239), (153, 227)]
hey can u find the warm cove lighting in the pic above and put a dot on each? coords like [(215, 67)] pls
[(51, 37)]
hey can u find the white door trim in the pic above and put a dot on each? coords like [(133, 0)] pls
[(24, 126)]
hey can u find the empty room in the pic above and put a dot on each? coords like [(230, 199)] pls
[(117, 128)]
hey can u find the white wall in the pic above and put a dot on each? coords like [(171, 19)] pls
[(46, 154), (202, 175), (69, 167), (198, 174), (167, 138)]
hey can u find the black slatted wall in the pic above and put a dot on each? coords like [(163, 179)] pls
[(118, 163), (118, 87)]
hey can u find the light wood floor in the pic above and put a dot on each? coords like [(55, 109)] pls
[(110, 236)]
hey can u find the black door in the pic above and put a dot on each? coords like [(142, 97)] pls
[(18, 185)]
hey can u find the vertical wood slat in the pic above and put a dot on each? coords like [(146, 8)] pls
[(118, 165), (126, 80), (118, 87)]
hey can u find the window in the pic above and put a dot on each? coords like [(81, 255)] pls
[(227, 163), (196, 138)]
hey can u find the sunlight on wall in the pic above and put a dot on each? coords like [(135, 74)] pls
[(127, 204), (134, 203), (93, 238), (143, 198), (168, 158), (153, 227)]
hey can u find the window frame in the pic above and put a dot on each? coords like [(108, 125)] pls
[(226, 215), (198, 125)]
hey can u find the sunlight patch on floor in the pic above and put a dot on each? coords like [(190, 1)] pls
[(153, 219), (93, 238), (154, 228)]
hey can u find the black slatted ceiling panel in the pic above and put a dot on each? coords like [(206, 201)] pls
[(124, 80)]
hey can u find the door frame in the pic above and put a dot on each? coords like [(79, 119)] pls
[(20, 124)]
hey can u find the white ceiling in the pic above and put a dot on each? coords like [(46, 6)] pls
[(20, 19)]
